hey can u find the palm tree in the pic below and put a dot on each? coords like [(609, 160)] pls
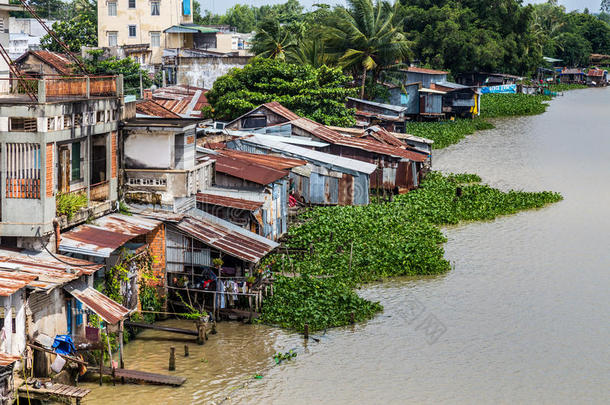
[(367, 37), (273, 40)]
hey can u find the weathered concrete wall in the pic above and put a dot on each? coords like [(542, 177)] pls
[(203, 72), (149, 150)]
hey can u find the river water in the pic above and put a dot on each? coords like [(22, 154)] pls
[(523, 317)]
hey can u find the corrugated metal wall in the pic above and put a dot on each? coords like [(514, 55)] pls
[(179, 252)]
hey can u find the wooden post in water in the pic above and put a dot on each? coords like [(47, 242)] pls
[(214, 308), (101, 361), (306, 331), (172, 358), (200, 333), (352, 318), (121, 360), (213, 328), (186, 350)]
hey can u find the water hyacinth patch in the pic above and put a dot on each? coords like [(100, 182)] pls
[(395, 238)]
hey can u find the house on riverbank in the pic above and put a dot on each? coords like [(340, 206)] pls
[(572, 76), (597, 77), (398, 168)]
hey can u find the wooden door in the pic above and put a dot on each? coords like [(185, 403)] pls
[(64, 170)]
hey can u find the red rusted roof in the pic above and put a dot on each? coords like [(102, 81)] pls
[(219, 234), (572, 72), (19, 270), (248, 170), (57, 61), (229, 239), (595, 73), (230, 202), (105, 235), (109, 310), (154, 109), (8, 359), (425, 71), (328, 135), (179, 99), (281, 110), (383, 136), (274, 162)]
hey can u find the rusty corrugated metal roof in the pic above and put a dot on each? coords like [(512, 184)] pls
[(18, 270), (105, 235), (57, 61), (275, 162), (8, 359), (595, 73), (281, 110), (413, 69), (109, 310), (154, 109), (328, 135), (182, 99), (383, 136), (230, 202), (219, 234), (248, 170), (572, 72)]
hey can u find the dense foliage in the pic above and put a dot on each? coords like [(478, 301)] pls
[(401, 237), (319, 94), (130, 69), (75, 33), (510, 105)]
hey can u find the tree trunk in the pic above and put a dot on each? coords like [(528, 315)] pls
[(363, 83)]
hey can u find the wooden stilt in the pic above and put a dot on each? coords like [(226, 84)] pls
[(121, 359), (172, 358), (186, 350), (306, 331)]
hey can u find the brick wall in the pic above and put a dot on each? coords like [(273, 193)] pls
[(114, 153), (49, 169), (155, 240)]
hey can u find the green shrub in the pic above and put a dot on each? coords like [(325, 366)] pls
[(69, 203)]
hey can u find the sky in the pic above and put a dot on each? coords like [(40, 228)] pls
[(220, 6)]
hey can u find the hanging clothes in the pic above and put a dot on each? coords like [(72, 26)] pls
[(220, 287)]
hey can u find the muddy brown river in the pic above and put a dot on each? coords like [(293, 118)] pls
[(523, 317)]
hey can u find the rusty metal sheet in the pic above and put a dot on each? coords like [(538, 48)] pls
[(106, 234), (12, 281), (274, 162), (109, 310), (8, 359), (154, 109), (248, 170), (230, 202), (226, 237)]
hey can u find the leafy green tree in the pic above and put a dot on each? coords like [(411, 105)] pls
[(75, 33), (274, 41), (367, 38), (241, 17), (131, 71), (574, 49), (319, 94), (605, 6)]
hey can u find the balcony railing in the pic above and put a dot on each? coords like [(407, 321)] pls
[(22, 188), (52, 87)]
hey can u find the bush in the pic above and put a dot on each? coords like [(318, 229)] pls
[(69, 203)]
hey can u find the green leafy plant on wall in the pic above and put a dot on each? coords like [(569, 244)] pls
[(69, 203)]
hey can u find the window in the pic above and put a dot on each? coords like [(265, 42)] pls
[(132, 3), (155, 39), (154, 7), (24, 124), (112, 8), (22, 170), (76, 161), (136, 59), (132, 31), (254, 121), (112, 38)]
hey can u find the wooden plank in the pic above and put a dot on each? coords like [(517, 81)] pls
[(143, 376), (161, 328)]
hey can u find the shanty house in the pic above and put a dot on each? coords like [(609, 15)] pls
[(397, 168), (572, 76), (239, 173), (7, 379), (44, 63), (196, 242), (475, 79), (597, 77), (107, 238), (391, 117), (160, 166), (325, 180), (44, 295), (425, 77), (257, 211), (458, 100)]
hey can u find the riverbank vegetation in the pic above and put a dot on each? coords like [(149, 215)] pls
[(355, 245)]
